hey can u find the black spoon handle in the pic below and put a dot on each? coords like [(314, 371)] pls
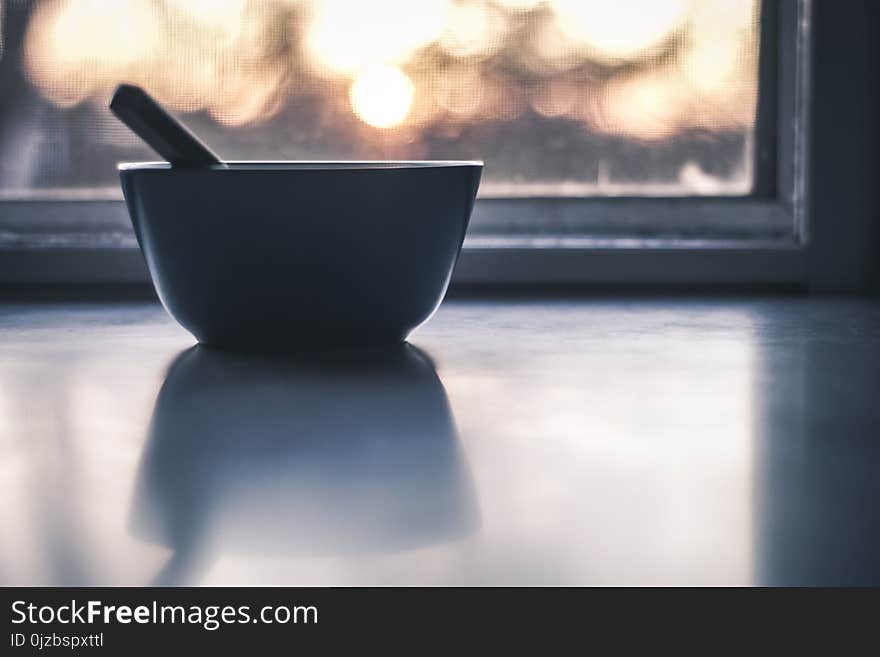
[(165, 134)]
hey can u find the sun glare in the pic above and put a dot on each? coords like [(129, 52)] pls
[(381, 96)]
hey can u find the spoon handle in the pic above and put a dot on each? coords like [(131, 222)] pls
[(161, 131)]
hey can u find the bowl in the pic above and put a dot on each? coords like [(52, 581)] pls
[(267, 255)]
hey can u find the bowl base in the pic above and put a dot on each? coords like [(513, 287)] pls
[(300, 345)]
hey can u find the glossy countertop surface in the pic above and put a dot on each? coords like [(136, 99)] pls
[(575, 442)]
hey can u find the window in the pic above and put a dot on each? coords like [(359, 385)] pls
[(608, 126), (565, 98)]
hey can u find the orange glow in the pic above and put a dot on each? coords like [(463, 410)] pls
[(345, 37), (75, 47), (619, 30), (473, 29), (518, 5), (381, 96), (718, 63), (689, 63), (460, 92), (644, 107), (223, 17), (557, 98)]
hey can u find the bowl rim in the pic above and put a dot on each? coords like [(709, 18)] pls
[(306, 165)]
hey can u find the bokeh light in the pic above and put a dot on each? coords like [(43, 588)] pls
[(621, 30), (473, 29), (78, 47), (576, 82), (518, 5), (346, 36), (381, 96)]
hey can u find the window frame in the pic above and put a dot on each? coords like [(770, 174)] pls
[(802, 259)]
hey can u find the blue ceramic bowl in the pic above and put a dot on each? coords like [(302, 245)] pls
[(267, 255)]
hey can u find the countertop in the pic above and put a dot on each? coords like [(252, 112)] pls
[(574, 442)]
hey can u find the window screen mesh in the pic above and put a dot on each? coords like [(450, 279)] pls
[(559, 97)]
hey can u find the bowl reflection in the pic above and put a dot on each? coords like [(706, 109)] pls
[(342, 453)]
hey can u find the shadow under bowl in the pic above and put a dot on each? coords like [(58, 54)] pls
[(269, 255)]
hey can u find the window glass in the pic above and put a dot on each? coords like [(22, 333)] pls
[(559, 97)]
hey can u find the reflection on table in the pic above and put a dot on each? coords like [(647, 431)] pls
[(345, 453)]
